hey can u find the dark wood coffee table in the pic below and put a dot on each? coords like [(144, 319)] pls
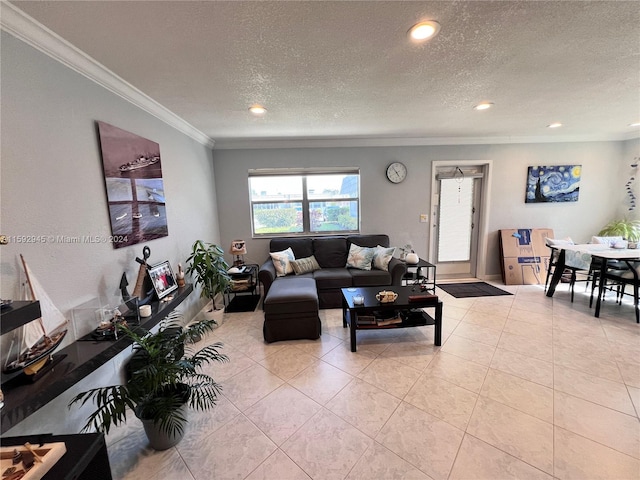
[(409, 310)]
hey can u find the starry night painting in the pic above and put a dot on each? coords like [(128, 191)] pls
[(555, 183)]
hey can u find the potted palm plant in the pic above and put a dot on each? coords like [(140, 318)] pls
[(163, 380), (209, 270)]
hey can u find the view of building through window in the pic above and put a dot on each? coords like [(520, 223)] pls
[(309, 203)]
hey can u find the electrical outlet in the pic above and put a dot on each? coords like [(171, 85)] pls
[(424, 218)]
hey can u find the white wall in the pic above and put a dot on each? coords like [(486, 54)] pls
[(395, 209), (52, 183)]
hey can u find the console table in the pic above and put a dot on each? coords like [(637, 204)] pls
[(77, 360)]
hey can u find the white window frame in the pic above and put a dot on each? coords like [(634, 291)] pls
[(306, 221)]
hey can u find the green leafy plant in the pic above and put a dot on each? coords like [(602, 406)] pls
[(163, 376), (209, 269), (628, 229)]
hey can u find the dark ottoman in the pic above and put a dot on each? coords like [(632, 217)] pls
[(291, 310)]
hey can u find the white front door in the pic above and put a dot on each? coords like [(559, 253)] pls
[(456, 211)]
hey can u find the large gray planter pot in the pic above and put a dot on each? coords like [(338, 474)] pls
[(158, 439)]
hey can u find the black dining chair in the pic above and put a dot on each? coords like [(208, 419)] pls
[(570, 274), (618, 279)]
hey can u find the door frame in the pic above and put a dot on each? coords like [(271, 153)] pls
[(483, 218)]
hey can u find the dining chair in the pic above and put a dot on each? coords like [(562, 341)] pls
[(620, 279), (570, 274)]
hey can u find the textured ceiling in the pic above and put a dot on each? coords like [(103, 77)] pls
[(345, 70)]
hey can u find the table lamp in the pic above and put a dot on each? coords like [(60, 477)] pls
[(238, 248)]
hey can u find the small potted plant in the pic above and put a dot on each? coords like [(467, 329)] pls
[(163, 380), (627, 229), (209, 269)]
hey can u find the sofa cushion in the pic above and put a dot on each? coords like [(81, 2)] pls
[(369, 240), (382, 256), (282, 262), (302, 247), (330, 252), (305, 265), (332, 278), (364, 278), (360, 257)]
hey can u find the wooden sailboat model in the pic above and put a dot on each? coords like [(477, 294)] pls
[(39, 338)]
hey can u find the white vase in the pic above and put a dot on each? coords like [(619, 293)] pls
[(208, 313), (412, 258)]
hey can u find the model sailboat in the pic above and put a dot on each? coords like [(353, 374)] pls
[(39, 338)]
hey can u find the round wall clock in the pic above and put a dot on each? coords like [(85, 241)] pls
[(396, 172)]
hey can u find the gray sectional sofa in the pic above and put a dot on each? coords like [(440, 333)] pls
[(331, 254), (291, 302)]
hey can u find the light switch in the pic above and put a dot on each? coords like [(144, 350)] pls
[(424, 218)]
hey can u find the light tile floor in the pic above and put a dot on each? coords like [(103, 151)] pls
[(524, 386)]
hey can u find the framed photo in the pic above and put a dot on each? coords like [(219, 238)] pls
[(162, 279)]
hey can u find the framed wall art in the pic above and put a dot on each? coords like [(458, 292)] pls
[(553, 183), (135, 189)]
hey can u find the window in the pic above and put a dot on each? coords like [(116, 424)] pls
[(303, 202)]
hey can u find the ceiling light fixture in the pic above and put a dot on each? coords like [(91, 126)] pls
[(554, 125), (424, 30), (635, 124), (483, 106), (257, 110)]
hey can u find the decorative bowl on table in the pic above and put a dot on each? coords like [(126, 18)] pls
[(386, 296)]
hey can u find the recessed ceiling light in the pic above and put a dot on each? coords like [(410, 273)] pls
[(424, 30), (483, 106), (257, 110), (635, 124), (554, 125)]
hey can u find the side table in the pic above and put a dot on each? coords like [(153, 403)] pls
[(244, 290), (421, 273)]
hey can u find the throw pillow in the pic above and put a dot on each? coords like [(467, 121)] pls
[(282, 261), (382, 256), (554, 242), (609, 241), (305, 265), (360, 257)]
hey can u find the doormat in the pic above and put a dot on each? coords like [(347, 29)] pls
[(243, 303), (473, 289)]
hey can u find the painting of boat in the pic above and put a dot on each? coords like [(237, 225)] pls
[(132, 168), (40, 338), (139, 162)]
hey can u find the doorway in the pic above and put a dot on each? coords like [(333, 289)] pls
[(458, 229)]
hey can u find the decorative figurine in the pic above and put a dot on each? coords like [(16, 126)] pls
[(180, 276)]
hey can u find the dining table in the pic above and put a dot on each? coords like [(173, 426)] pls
[(582, 255)]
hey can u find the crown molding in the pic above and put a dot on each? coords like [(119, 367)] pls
[(346, 142), (25, 28)]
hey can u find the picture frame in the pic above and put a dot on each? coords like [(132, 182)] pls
[(136, 200), (553, 183), (162, 279)]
